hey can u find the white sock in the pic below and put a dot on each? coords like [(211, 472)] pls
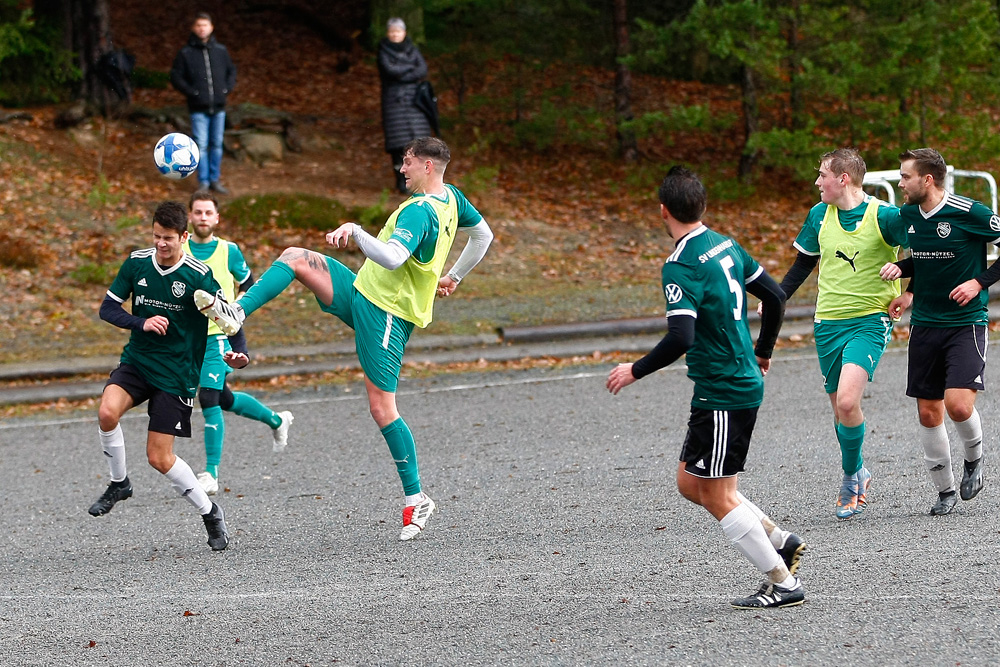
[(415, 499), (182, 478), (971, 433), (747, 534), (774, 533), (113, 444), (937, 456)]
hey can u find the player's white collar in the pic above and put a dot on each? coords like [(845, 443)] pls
[(169, 270), (936, 209)]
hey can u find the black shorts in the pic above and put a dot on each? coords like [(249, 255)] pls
[(717, 441), (168, 413), (940, 358)]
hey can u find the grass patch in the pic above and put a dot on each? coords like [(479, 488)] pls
[(302, 211), (93, 273)]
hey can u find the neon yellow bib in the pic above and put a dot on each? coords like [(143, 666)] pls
[(849, 284), (218, 261), (408, 292)]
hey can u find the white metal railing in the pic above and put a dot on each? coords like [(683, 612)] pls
[(887, 179)]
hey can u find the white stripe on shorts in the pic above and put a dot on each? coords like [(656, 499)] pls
[(720, 440), (981, 348), (388, 330)]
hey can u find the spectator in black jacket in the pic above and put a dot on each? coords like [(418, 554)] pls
[(400, 68), (205, 73)]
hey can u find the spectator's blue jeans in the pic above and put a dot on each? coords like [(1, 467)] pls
[(208, 130)]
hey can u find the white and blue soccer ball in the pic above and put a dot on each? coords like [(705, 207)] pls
[(176, 155)]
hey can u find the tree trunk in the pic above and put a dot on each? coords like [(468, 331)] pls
[(795, 102), (751, 119), (85, 29), (623, 84)]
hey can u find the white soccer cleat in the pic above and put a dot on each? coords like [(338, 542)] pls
[(228, 316), (280, 434), (415, 518), (208, 483)]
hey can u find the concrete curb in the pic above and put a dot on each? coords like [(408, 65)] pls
[(52, 380)]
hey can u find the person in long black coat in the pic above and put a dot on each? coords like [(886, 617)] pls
[(400, 68)]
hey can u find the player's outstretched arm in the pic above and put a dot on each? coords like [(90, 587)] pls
[(679, 338), (339, 237), (480, 238), (389, 254)]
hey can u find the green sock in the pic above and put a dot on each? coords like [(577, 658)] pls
[(215, 434), (246, 405), (271, 284), (851, 438), (404, 453)]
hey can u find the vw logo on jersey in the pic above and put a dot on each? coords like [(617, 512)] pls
[(673, 292), (178, 288), (944, 229), (995, 223)]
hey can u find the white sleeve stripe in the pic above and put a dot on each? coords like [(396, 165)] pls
[(756, 274), (803, 250), (115, 297), (688, 313)]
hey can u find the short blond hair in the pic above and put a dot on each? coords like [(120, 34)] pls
[(846, 161)]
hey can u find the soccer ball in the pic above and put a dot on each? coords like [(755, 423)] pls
[(176, 155)]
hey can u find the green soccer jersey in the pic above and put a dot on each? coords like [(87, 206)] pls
[(172, 362), (948, 246), (706, 278)]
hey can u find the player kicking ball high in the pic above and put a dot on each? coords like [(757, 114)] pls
[(392, 293), (161, 363), (705, 281)]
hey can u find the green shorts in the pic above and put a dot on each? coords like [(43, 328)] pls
[(214, 369), (379, 337), (859, 340)]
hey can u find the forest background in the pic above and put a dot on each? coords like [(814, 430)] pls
[(563, 116)]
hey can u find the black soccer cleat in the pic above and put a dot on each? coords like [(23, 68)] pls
[(972, 479), (945, 504), (116, 491), (791, 552), (215, 524), (772, 596)]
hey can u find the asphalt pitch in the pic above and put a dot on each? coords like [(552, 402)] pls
[(560, 538)]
